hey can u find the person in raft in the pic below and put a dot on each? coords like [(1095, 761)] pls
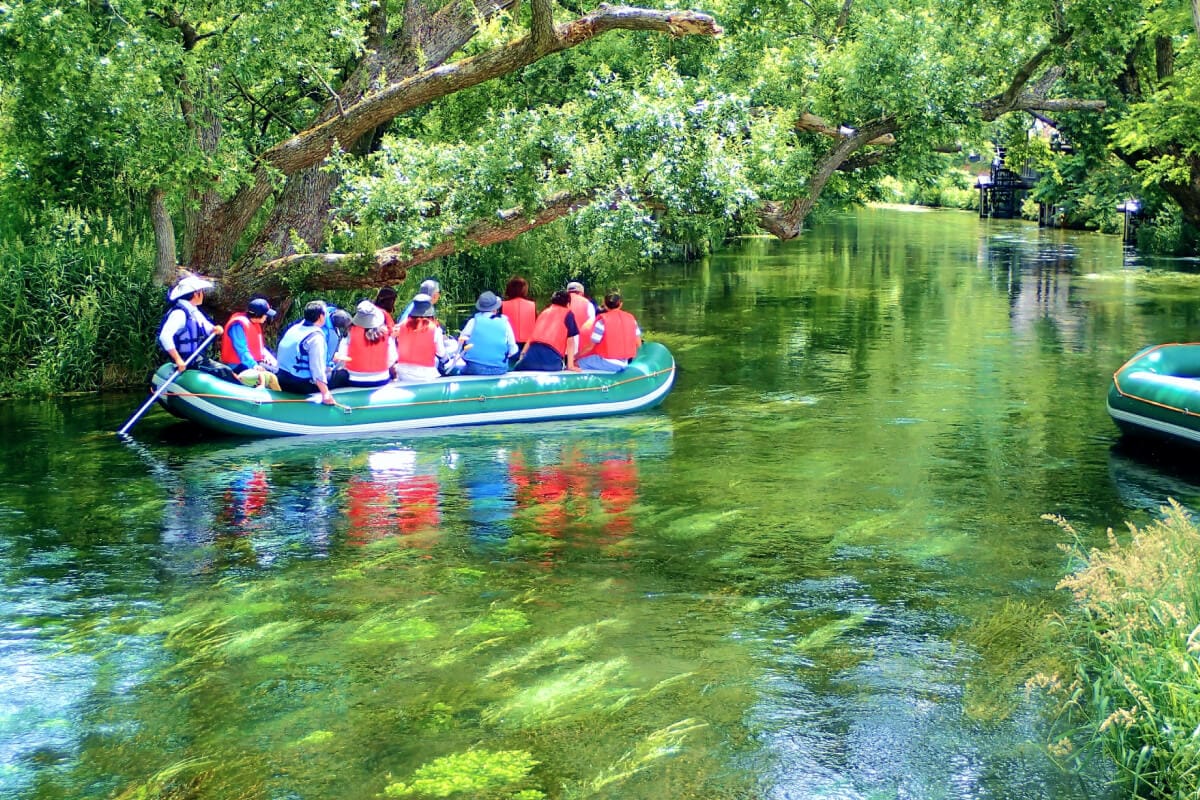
[(581, 307), (303, 365), (420, 343), (184, 327), (369, 351), (431, 289), (385, 301), (555, 337), (614, 340), (490, 337), (242, 347), (519, 309)]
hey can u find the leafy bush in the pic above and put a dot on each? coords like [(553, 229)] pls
[(80, 306), (1135, 625)]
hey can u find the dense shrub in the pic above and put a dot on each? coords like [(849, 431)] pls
[(1135, 625), (79, 306)]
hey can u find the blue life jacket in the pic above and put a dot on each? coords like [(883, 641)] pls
[(188, 338), (330, 331), (489, 342), (293, 350)]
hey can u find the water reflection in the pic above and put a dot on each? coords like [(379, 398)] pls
[(262, 502)]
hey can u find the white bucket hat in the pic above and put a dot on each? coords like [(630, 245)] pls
[(188, 286)]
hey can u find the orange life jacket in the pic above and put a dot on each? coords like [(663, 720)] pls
[(580, 306), (254, 339), (522, 314), (620, 340), (417, 345), (366, 357), (551, 328)]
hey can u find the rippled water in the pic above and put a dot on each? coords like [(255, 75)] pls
[(772, 587)]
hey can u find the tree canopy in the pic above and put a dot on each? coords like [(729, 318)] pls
[(287, 146)]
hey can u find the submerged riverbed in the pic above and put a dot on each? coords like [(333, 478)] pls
[(772, 587)]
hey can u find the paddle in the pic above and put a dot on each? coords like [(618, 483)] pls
[(138, 414)]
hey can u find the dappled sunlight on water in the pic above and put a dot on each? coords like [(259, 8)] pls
[(805, 576)]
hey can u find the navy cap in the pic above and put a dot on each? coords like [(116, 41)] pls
[(258, 307)]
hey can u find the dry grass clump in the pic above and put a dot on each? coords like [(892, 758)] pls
[(1136, 626)]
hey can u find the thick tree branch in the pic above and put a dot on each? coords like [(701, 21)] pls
[(1030, 67), (814, 124), (786, 219), (843, 19), (390, 264), (314, 144), (311, 146)]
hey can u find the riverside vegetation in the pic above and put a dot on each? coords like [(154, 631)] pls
[(1134, 632)]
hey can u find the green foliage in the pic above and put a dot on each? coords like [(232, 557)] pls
[(80, 306), (952, 189), (475, 773), (1136, 628)]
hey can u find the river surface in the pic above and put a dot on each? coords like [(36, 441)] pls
[(799, 578)]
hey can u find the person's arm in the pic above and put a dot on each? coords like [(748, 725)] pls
[(572, 346), (439, 341), (316, 366), (572, 340), (393, 353), (510, 339), (466, 332), (166, 337), (594, 339), (237, 337)]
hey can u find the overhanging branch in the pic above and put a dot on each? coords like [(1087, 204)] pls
[(391, 264)]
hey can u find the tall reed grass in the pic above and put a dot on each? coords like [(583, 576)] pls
[(78, 307), (1135, 625)]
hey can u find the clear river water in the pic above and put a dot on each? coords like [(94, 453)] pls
[(790, 581)]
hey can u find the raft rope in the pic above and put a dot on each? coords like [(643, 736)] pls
[(1117, 383), (444, 401)]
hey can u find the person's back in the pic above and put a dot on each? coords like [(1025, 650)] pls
[(369, 350), (554, 339), (581, 307), (419, 343), (303, 367), (490, 336), (614, 340), (520, 311)]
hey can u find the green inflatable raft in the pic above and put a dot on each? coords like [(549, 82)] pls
[(462, 400), (1157, 393)]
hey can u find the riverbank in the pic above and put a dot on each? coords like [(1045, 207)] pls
[(1134, 632)]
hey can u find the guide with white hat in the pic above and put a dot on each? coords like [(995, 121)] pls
[(184, 328)]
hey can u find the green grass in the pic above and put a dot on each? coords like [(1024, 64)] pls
[(79, 306), (1135, 625)]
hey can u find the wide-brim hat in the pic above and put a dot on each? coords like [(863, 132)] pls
[(367, 315), (422, 306), (188, 286), (487, 302)]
